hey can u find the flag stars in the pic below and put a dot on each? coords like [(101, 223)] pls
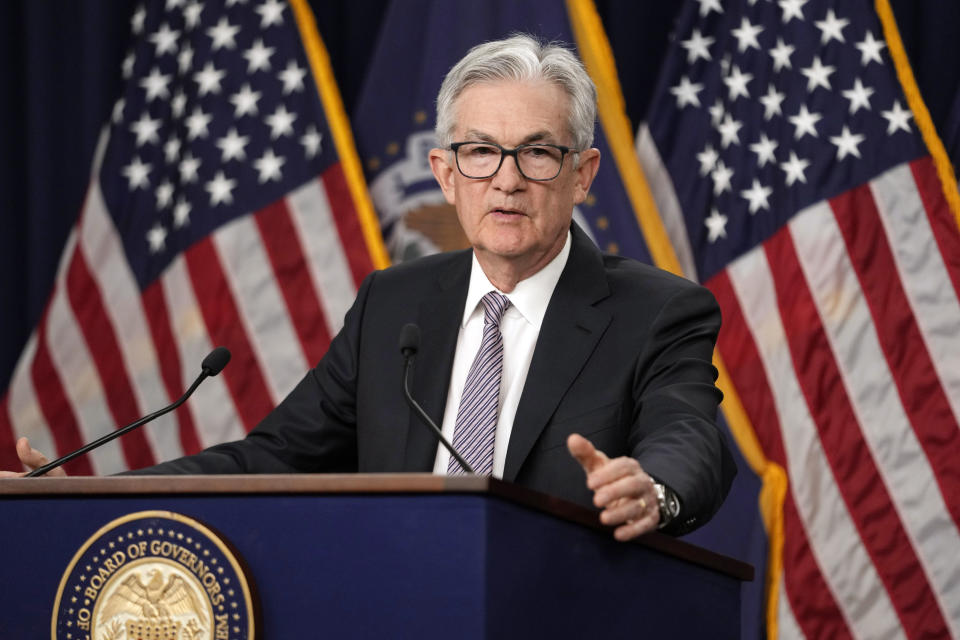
[(157, 238), (805, 123), (208, 79), (707, 159), (870, 49), (136, 22), (736, 83), (781, 55), (758, 196), (164, 194), (271, 12), (897, 118), (281, 122), (146, 129), (191, 14), (292, 78), (716, 112), (258, 56), (698, 46), (686, 93), (136, 174), (818, 74), (223, 35), (831, 27), (721, 176), (729, 131), (795, 168), (185, 58), (232, 146), (197, 124), (706, 6), (155, 85), (771, 103), (311, 141), (164, 40), (268, 166), (220, 189), (179, 104), (847, 143), (792, 9), (126, 68), (181, 213), (746, 35), (716, 224), (245, 101), (118, 108), (859, 96), (188, 168), (764, 148)]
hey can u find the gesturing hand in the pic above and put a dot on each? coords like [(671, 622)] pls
[(620, 487), (31, 458)]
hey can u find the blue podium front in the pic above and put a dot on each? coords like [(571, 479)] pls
[(356, 556)]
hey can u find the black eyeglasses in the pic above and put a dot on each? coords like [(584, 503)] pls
[(480, 160)]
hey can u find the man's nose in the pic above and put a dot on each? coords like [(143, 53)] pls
[(508, 178)]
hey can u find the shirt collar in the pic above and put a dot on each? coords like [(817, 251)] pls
[(530, 297)]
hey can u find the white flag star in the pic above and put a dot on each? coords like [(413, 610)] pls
[(208, 79), (271, 12), (223, 35), (729, 129), (771, 103), (686, 93), (794, 168), (736, 82), (136, 21), (220, 189), (191, 14), (232, 146), (764, 149), (197, 124), (716, 226), (721, 175), (792, 9), (831, 27), (245, 101), (870, 49), (126, 67), (746, 35), (188, 168), (164, 194), (847, 143), (698, 46), (758, 196), (164, 40), (716, 112), (781, 55), (269, 166), (706, 6), (708, 159), (897, 118), (181, 213), (258, 56), (146, 130), (292, 78), (281, 122), (818, 74), (156, 238), (311, 141), (185, 58), (171, 150), (155, 85), (804, 122), (136, 173), (179, 103), (859, 96)]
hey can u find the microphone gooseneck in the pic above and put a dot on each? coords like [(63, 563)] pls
[(409, 344), (211, 366)]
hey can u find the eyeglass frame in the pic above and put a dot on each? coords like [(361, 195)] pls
[(504, 152)]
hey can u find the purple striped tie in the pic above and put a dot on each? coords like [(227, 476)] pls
[(480, 403)]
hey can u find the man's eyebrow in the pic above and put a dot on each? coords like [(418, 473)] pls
[(537, 136)]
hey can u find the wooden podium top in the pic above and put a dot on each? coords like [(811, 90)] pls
[(405, 483)]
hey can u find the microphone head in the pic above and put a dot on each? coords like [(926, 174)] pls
[(409, 340), (215, 361)]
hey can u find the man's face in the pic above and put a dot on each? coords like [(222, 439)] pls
[(507, 217)]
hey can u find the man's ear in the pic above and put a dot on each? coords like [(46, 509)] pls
[(586, 171), (444, 172)]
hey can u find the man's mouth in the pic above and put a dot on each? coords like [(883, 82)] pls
[(507, 212)]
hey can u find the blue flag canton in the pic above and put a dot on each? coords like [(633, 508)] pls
[(765, 108), (219, 118)]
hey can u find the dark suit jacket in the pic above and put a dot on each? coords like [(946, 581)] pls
[(623, 358)]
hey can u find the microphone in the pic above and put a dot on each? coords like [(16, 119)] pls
[(213, 364), (409, 344)]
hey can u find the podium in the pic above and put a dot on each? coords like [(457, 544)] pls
[(384, 556)]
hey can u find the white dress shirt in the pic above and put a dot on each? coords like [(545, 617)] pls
[(520, 327)]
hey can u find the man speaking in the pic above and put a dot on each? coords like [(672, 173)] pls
[(539, 356)]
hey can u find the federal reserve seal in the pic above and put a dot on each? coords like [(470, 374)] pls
[(153, 575)]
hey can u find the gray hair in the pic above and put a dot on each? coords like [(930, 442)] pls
[(521, 58)]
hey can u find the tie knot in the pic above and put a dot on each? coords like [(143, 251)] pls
[(494, 306)]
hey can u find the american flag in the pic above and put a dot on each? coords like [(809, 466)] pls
[(226, 207), (807, 200)]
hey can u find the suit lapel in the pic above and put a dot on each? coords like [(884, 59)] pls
[(571, 329), (439, 319)]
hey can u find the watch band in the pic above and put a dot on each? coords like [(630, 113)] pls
[(668, 504)]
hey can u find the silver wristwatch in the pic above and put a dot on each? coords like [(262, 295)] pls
[(667, 502)]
